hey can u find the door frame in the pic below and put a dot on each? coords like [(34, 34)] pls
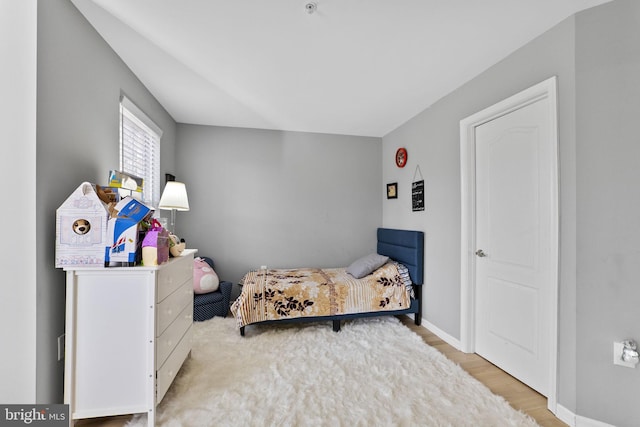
[(546, 89)]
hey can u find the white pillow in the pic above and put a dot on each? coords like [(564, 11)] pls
[(366, 265)]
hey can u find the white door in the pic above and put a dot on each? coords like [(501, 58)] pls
[(514, 211)]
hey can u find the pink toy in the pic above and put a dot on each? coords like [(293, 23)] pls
[(155, 245), (204, 278)]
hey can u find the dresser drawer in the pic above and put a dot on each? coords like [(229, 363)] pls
[(166, 342), (171, 306), (168, 371), (172, 275)]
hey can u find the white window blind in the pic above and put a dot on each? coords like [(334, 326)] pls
[(140, 149)]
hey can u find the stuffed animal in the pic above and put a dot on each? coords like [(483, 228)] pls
[(204, 278), (176, 246)]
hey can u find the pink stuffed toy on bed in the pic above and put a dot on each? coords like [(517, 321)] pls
[(204, 278)]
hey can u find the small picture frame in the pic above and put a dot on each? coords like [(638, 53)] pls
[(392, 190)]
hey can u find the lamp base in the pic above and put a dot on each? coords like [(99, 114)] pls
[(172, 224)]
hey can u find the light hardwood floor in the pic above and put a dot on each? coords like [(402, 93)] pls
[(519, 395)]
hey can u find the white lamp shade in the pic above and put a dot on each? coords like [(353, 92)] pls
[(174, 196)]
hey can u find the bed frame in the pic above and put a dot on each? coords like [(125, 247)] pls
[(404, 246)]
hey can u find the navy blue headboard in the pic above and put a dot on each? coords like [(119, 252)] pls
[(406, 247)]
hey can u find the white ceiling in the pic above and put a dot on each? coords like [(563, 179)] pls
[(354, 67)]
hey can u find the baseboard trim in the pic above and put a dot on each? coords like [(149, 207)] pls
[(573, 420), (588, 422), (453, 342), (565, 415)]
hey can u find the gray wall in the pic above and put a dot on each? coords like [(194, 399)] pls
[(596, 56), (80, 80), (433, 141), (608, 225), (281, 199)]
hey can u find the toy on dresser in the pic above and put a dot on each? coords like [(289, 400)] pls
[(97, 227), (81, 229), (122, 231), (155, 245), (176, 245)]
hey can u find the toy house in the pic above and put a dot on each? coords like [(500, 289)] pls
[(81, 229)]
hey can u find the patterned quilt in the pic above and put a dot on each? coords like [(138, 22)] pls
[(276, 294)]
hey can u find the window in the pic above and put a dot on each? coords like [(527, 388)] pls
[(140, 149)]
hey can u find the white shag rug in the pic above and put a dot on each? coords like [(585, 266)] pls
[(374, 372)]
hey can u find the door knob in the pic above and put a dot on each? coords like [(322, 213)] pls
[(480, 253)]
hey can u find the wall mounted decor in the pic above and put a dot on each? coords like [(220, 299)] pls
[(401, 157), (417, 192), (417, 196), (392, 190)]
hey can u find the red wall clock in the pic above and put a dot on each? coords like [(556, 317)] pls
[(401, 157)]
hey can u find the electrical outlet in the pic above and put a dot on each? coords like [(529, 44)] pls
[(61, 347), (617, 356)]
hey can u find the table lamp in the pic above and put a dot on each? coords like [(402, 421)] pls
[(174, 198)]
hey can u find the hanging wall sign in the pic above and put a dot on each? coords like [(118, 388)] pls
[(417, 192), (417, 195)]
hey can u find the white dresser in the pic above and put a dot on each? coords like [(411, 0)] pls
[(128, 332)]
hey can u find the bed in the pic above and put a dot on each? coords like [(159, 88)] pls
[(335, 294)]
